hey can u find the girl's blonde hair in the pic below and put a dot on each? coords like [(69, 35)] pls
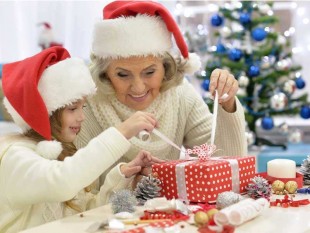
[(69, 148), (174, 73)]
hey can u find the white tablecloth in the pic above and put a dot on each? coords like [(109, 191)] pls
[(273, 220)]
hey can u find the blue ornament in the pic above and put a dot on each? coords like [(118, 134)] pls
[(300, 83), (304, 190), (267, 123), (205, 84), (305, 112), (253, 71), (220, 48), (235, 54), (245, 18), (216, 20), (259, 34)]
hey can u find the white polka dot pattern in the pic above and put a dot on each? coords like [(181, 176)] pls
[(205, 180)]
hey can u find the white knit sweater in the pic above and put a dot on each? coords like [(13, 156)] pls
[(34, 188), (182, 116)]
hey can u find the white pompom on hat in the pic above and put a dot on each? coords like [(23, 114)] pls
[(139, 28), (37, 86)]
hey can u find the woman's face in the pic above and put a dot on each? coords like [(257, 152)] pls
[(71, 120), (136, 80)]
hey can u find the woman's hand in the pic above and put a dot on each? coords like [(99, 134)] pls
[(142, 163), (225, 83), (137, 122)]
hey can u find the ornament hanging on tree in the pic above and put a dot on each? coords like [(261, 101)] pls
[(225, 32), (123, 201), (305, 112), (278, 101), (289, 87), (253, 71), (235, 54), (216, 20), (300, 83), (243, 81), (295, 136), (245, 18), (267, 123), (259, 34), (264, 8), (281, 40), (259, 187), (305, 170), (220, 48), (205, 84), (267, 62), (147, 188)]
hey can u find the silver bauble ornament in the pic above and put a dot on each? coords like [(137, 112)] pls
[(227, 198), (289, 87), (295, 136), (278, 101), (225, 32), (265, 63), (250, 138), (243, 81)]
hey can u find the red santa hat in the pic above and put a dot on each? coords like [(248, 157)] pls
[(37, 86), (139, 28)]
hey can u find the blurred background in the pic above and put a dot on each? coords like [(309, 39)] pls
[(265, 44)]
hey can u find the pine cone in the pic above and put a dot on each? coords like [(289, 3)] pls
[(259, 188), (147, 188), (305, 170)]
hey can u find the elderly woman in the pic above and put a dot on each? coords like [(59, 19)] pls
[(132, 65)]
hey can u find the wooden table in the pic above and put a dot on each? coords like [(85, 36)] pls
[(273, 220)]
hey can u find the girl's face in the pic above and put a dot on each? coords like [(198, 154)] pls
[(136, 80), (71, 120)]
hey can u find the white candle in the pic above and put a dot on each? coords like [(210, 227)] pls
[(281, 168)]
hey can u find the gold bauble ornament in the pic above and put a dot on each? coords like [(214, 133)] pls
[(201, 218), (211, 212), (278, 187), (291, 187)]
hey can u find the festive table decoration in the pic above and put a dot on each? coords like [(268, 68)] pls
[(204, 151), (147, 188), (241, 212), (123, 201), (159, 226), (226, 199), (278, 187), (201, 218), (198, 181), (288, 201), (304, 190), (281, 168), (305, 170), (259, 188)]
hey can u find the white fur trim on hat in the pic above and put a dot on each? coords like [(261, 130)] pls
[(131, 36), (64, 83), (49, 149), (60, 84), (193, 64)]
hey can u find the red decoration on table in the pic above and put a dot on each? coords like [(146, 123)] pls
[(288, 201), (162, 224), (174, 215), (298, 179)]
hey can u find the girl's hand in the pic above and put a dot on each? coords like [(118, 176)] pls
[(137, 122), (143, 161)]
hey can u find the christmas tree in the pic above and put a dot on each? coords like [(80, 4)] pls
[(261, 59)]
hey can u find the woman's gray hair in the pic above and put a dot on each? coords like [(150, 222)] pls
[(174, 73)]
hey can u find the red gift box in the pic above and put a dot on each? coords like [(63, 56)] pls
[(196, 181)]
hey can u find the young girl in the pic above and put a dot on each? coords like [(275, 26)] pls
[(42, 175)]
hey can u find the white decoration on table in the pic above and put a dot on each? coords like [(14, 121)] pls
[(281, 168)]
